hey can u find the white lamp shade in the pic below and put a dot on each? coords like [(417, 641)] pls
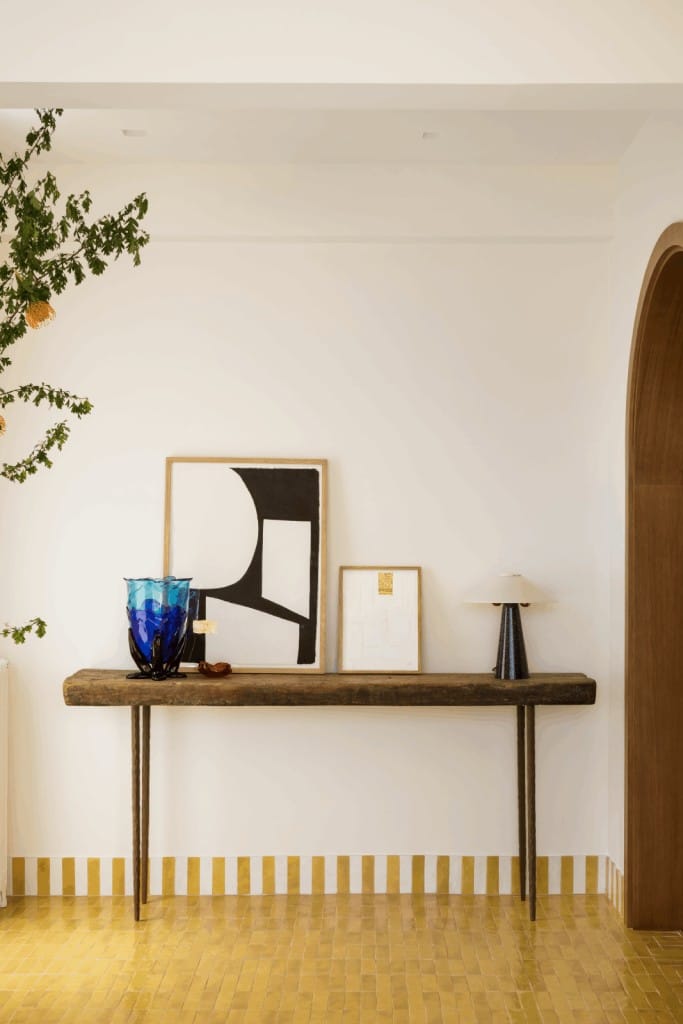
[(508, 588)]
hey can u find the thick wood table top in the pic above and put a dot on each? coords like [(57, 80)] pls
[(109, 687)]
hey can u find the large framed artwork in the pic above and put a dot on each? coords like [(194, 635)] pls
[(252, 535), (380, 611)]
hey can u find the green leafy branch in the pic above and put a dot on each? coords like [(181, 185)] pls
[(19, 633), (51, 243), (54, 438), (50, 248), (38, 393)]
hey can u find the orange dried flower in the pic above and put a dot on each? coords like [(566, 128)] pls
[(3, 425), (39, 313)]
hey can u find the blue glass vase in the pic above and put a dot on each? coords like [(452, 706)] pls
[(157, 618)]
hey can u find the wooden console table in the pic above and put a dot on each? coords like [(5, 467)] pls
[(92, 687)]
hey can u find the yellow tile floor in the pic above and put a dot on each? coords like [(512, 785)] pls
[(328, 959)]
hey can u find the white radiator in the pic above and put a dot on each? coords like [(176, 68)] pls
[(4, 775)]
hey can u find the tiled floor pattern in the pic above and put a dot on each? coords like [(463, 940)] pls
[(329, 959)]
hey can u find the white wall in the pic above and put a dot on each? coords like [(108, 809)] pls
[(354, 41), (445, 347), (649, 198)]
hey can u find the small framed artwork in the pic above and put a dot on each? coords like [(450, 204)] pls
[(380, 609), (251, 533)]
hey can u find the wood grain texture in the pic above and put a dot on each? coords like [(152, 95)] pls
[(110, 687), (521, 800), (144, 805), (135, 780), (531, 807), (654, 601)]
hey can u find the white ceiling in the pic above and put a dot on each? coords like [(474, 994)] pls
[(324, 136)]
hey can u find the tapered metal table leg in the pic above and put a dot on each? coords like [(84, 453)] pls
[(521, 800), (144, 845), (135, 760), (531, 805)]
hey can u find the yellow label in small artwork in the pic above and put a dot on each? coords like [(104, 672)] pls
[(385, 583)]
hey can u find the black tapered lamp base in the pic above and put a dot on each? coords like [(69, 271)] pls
[(511, 662)]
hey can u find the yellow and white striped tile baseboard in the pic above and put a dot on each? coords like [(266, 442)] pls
[(615, 887), (314, 875)]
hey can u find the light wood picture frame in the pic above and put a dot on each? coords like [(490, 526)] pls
[(252, 534), (380, 619)]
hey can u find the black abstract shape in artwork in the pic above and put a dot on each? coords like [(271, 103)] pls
[(278, 493)]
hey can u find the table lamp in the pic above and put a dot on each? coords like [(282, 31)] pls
[(510, 590)]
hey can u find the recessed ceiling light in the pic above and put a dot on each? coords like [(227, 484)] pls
[(134, 133), (430, 135)]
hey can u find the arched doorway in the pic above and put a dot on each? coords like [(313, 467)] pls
[(654, 597)]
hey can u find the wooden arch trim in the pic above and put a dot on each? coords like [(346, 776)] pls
[(654, 596)]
